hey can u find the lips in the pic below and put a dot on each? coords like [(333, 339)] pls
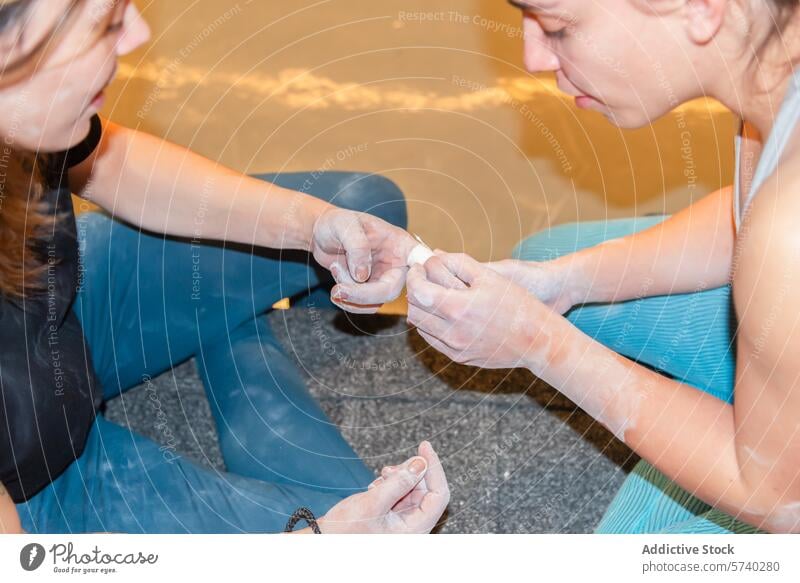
[(584, 100), (573, 90), (581, 95), (105, 85)]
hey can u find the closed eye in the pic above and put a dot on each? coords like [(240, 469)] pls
[(555, 34), (115, 27), (528, 9), (522, 6)]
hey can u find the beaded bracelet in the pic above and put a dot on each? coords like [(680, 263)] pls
[(302, 513)]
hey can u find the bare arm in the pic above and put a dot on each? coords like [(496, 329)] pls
[(742, 458), (9, 518), (165, 188), (689, 251)]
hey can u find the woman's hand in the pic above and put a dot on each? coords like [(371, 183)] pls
[(549, 281), (406, 499), (366, 256), (487, 321)]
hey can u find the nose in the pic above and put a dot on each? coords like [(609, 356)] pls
[(136, 31), (539, 56)]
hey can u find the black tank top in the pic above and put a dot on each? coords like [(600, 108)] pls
[(48, 390)]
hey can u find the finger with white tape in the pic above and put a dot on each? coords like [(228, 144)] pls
[(419, 255)]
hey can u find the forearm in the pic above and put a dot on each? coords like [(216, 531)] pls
[(166, 188), (690, 251), (687, 434)]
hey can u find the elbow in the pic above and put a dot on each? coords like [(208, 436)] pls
[(783, 519), (770, 505)]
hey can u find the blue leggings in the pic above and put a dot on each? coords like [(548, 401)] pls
[(688, 336), (147, 303)]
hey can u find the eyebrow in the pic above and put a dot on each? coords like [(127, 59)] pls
[(106, 14), (541, 6)]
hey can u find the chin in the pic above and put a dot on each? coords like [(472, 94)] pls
[(630, 120), (65, 138)]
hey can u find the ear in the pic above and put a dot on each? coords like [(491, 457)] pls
[(704, 19)]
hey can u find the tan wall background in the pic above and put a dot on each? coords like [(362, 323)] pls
[(430, 93)]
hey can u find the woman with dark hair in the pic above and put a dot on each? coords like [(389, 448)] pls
[(92, 307), (710, 296)]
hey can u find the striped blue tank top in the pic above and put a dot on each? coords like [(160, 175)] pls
[(782, 130)]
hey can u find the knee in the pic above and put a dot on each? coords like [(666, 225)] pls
[(569, 237), (93, 221), (93, 229), (373, 194), (356, 191)]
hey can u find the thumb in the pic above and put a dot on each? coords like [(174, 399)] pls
[(439, 274), (399, 483), (357, 249), (506, 267), (462, 266)]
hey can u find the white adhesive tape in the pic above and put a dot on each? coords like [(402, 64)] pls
[(419, 255)]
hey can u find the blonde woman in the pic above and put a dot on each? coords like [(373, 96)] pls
[(710, 295)]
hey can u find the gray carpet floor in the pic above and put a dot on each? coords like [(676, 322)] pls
[(519, 456)]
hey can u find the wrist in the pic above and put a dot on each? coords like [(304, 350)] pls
[(278, 218), (314, 210), (541, 341), (301, 216), (303, 514), (309, 530), (321, 524), (574, 273), (528, 328)]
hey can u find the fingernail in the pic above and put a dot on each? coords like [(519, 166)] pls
[(418, 465), (340, 294), (362, 273)]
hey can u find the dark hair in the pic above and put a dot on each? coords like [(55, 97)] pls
[(782, 13), (11, 11), (13, 19), (23, 215), (785, 8)]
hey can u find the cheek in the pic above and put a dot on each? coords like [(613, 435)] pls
[(41, 115), (56, 113), (588, 58), (639, 83), (23, 116)]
